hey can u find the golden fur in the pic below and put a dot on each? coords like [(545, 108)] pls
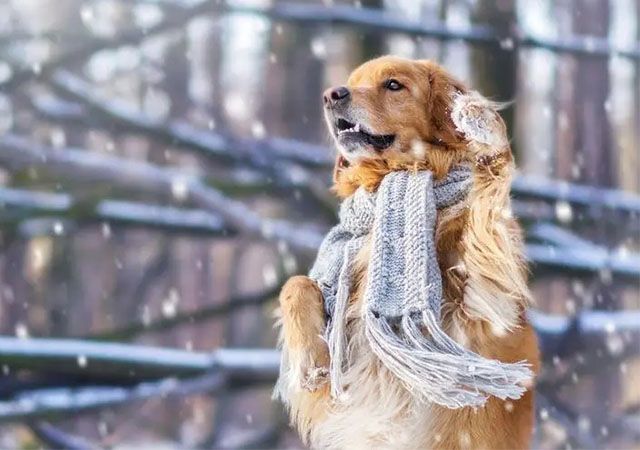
[(484, 278)]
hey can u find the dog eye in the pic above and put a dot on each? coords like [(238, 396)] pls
[(393, 85)]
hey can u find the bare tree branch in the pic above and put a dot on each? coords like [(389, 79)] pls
[(113, 211), (588, 330), (54, 437), (309, 154), (552, 409), (382, 21), (188, 317), (16, 152), (178, 17), (257, 153), (49, 403)]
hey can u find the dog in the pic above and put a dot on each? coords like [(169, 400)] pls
[(400, 114)]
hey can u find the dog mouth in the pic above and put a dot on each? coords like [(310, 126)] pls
[(354, 133)]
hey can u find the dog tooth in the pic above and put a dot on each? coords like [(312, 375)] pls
[(357, 128)]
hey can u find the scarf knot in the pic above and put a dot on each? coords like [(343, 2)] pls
[(403, 294)]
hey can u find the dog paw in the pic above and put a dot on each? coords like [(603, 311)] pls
[(315, 378)]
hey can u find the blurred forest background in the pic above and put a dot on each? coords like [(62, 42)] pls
[(164, 167)]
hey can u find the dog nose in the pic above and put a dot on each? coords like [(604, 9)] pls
[(333, 96)]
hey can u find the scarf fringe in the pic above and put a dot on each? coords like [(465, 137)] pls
[(336, 332), (438, 369)]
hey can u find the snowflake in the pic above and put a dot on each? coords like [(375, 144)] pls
[(290, 264), (22, 332), (103, 428), (257, 130), (615, 344), (170, 304), (179, 189), (58, 228), (507, 44), (236, 106), (146, 316), (584, 423), (58, 138), (564, 212), (508, 406), (544, 414), (318, 48), (610, 327), (269, 275), (418, 148), (106, 230), (82, 361), (606, 276), (570, 306), (87, 14)]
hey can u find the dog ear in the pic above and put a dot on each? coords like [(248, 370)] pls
[(443, 88), (478, 119)]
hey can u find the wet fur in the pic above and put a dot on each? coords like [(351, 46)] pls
[(485, 292)]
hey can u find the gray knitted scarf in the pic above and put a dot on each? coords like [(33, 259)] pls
[(404, 293)]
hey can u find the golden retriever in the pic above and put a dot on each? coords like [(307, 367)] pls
[(396, 114)]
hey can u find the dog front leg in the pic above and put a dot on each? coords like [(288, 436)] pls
[(303, 325)]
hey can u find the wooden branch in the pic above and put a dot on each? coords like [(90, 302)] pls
[(132, 362), (53, 437), (525, 187), (551, 408), (91, 44), (49, 403), (63, 207), (18, 153), (187, 317), (587, 331), (277, 159), (257, 153), (382, 21)]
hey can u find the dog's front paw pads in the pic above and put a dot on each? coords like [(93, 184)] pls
[(315, 378)]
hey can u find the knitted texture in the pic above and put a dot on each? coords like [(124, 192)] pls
[(403, 295)]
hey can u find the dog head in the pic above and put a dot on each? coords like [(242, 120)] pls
[(393, 114)]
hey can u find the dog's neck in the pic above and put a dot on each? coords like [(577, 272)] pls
[(368, 173)]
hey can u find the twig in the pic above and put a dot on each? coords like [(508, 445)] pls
[(188, 317), (54, 437)]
